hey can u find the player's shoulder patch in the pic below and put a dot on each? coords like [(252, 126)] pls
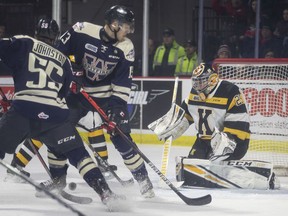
[(128, 49), (87, 28)]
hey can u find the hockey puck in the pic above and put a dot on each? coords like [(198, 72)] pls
[(72, 186)]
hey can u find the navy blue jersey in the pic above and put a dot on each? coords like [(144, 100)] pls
[(108, 66), (42, 76)]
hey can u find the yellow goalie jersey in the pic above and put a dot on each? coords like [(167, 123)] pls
[(224, 109)]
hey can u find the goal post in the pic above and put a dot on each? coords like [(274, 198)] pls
[(264, 83)]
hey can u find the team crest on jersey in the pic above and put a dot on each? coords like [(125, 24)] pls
[(91, 47), (42, 115), (238, 100)]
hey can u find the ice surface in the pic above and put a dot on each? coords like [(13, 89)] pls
[(19, 199)]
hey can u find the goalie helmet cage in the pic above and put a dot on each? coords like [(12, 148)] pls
[(264, 83)]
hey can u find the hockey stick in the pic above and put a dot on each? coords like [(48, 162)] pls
[(106, 164), (189, 201), (39, 188), (64, 194), (122, 182), (168, 142)]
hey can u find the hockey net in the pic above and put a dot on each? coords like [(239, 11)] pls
[(265, 86)]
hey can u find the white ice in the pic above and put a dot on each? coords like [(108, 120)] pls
[(19, 199)]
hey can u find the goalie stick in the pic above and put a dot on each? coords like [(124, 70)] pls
[(124, 183), (168, 142), (64, 194), (189, 201), (39, 188)]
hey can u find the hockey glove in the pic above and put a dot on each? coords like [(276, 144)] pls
[(117, 116), (173, 123), (75, 87), (78, 73), (222, 146)]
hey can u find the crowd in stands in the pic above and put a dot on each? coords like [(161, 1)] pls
[(170, 58)]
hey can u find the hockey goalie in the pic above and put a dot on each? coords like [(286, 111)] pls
[(219, 113)]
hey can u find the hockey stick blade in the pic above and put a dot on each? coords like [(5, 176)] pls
[(107, 165), (64, 194), (76, 199), (189, 201), (37, 187)]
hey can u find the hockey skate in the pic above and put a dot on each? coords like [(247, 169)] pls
[(111, 200), (146, 188), (55, 186)]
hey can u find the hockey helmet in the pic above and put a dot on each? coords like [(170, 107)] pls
[(122, 15), (204, 78), (47, 29)]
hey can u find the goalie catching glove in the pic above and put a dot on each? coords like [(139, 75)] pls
[(173, 123), (222, 146)]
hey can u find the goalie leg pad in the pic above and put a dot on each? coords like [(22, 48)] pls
[(228, 174)]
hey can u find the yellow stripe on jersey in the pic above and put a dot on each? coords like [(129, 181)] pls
[(240, 134), (217, 100), (214, 100)]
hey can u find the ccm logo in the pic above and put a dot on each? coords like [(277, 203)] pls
[(66, 139)]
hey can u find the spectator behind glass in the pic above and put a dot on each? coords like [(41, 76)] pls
[(224, 51), (2, 30), (269, 41), (138, 62), (4, 70), (187, 63), (281, 29), (269, 53), (167, 55)]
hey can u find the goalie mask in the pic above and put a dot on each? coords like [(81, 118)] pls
[(204, 79), (125, 18), (47, 30)]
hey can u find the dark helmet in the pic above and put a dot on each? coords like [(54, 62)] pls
[(204, 78), (47, 29), (121, 14)]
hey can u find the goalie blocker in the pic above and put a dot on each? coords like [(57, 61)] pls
[(234, 174)]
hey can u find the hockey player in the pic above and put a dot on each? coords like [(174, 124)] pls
[(218, 110), (90, 131), (106, 55), (42, 77)]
